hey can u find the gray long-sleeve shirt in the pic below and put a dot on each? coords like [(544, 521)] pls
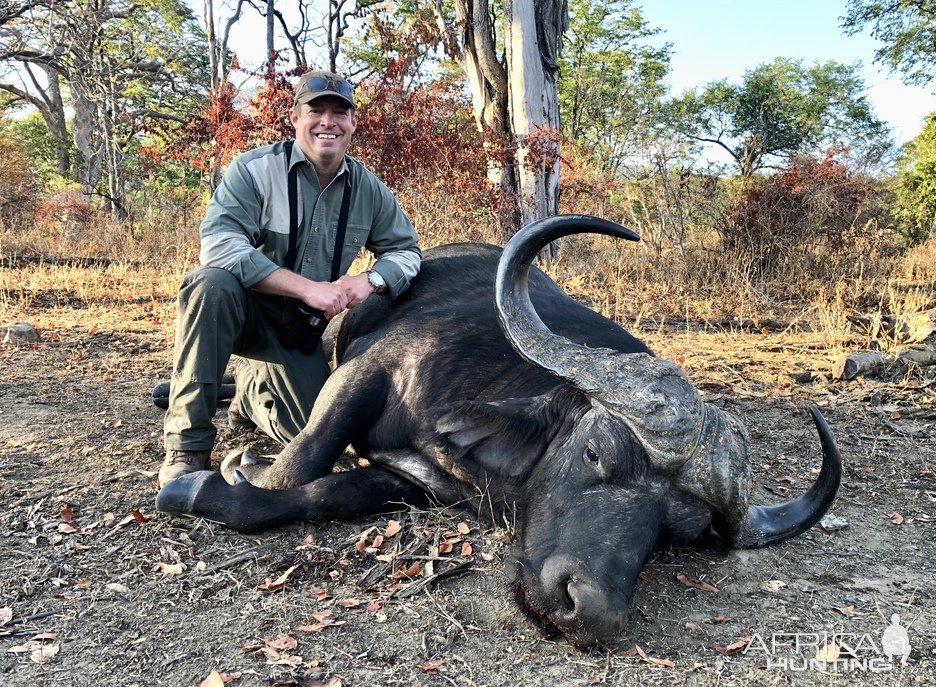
[(246, 227)]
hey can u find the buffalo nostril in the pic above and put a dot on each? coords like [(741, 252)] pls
[(557, 576)]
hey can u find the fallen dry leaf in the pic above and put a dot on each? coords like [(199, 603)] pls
[(784, 478), (412, 571), (275, 658), (138, 516), (466, 550), (216, 679), (431, 667), (321, 594), (463, 528), (650, 659), (171, 569), (44, 653), (66, 514), (393, 527), (734, 647), (896, 518), (323, 619), (348, 603), (772, 586), (276, 585), (847, 611), (696, 584), (282, 643), (6, 615)]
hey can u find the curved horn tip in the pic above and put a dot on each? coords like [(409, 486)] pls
[(768, 525)]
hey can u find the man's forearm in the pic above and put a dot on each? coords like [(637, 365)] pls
[(328, 297)]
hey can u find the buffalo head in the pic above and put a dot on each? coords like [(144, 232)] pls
[(623, 456)]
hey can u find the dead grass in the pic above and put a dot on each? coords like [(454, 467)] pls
[(632, 283)]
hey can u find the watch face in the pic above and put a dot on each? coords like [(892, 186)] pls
[(376, 280)]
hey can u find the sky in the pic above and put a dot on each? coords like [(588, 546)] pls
[(715, 39)]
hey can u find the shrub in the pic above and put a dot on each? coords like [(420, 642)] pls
[(17, 185), (814, 217)]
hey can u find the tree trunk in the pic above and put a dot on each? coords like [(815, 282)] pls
[(514, 100), (533, 36), (271, 49), (87, 139)]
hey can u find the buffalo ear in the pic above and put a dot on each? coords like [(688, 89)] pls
[(503, 438)]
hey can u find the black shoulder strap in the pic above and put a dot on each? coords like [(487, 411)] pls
[(342, 227), (291, 173), (291, 179)]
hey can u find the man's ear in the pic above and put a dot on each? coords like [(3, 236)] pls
[(500, 438)]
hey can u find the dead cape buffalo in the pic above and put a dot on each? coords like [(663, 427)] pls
[(503, 393)]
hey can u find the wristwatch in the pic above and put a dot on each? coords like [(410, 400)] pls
[(376, 281)]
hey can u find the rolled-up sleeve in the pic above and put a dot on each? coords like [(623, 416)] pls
[(231, 229), (394, 242)]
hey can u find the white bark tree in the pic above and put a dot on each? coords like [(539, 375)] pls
[(514, 98)]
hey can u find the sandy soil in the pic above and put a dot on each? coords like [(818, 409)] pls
[(96, 588)]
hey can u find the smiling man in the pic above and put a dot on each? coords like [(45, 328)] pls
[(271, 262)]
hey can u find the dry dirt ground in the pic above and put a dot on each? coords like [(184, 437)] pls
[(97, 588)]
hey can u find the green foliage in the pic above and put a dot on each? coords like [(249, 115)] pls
[(610, 80), (916, 185), (908, 30), (39, 145), (783, 109)]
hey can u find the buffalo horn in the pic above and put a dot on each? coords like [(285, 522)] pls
[(703, 448)]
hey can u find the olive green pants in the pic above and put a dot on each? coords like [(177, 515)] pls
[(218, 317)]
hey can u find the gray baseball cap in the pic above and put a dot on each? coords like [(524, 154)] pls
[(318, 84)]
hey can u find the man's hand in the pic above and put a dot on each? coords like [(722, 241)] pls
[(329, 297), (356, 288)]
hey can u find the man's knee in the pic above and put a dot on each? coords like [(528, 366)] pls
[(211, 285)]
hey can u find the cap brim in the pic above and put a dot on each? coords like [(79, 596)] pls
[(315, 95)]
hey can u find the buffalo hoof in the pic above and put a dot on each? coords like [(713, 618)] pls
[(245, 462), (185, 495), (241, 505)]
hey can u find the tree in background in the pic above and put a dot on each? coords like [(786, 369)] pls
[(123, 64), (514, 97), (611, 82), (907, 29), (916, 184), (783, 109)]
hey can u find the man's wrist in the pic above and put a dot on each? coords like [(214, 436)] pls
[(377, 283)]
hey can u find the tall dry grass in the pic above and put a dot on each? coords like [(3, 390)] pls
[(637, 284)]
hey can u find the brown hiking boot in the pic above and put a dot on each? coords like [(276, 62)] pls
[(178, 463)]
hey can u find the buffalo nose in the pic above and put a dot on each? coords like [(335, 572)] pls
[(580, 601)]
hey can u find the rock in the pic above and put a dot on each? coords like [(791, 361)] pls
[(19, 334), (832, 522)]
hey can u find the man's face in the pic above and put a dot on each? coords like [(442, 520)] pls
[(323, 129)]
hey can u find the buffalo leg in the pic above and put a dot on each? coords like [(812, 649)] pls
[(247, 508), (350, 402)]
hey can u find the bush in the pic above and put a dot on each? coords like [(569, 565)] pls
[(17, 186), (814, 217)]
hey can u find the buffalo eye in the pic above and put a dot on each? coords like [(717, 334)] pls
[(590, 457)]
